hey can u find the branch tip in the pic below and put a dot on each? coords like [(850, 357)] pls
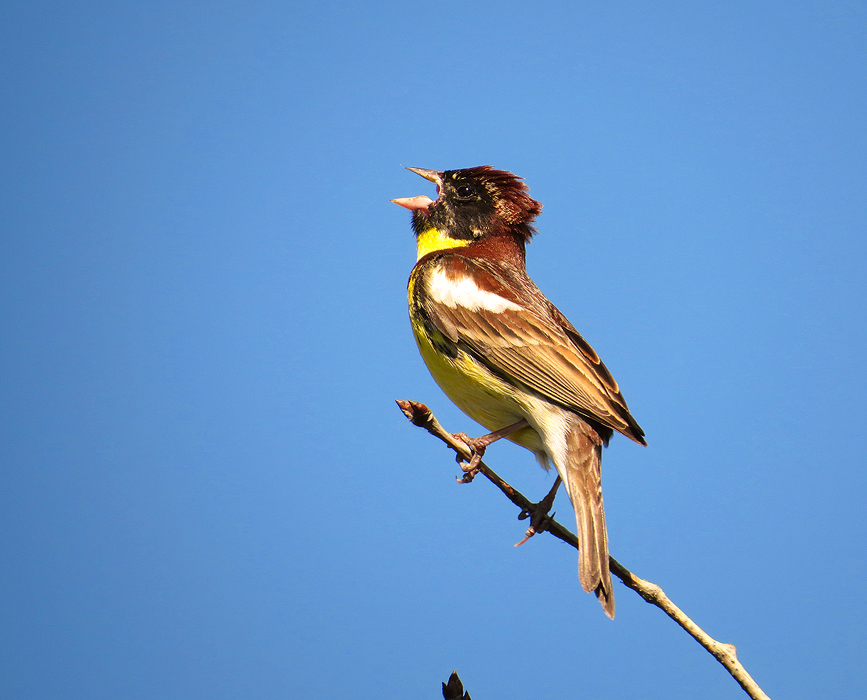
[(421, 416)]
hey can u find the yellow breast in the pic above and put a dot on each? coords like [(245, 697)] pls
[(472, 387)]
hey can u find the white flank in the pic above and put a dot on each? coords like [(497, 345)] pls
[(464, 292), (552, 424)]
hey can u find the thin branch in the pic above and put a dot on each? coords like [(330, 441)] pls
[(726, 654)]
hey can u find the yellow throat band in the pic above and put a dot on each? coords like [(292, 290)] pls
[(433, 240)]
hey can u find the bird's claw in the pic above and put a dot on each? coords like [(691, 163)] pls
[(539, 520), (538, 514), (470, 468)]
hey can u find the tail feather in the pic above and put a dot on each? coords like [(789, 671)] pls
[(582, 476)]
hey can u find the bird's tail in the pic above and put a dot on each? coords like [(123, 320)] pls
[(582, 476)]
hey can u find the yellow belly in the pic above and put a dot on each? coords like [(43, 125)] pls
[(479, 393)]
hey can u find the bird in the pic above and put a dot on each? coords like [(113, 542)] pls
[(503, 353)]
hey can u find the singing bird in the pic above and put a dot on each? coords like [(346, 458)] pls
[(503, 353)]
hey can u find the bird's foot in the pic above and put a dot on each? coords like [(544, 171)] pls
[(538, 514), (477, 449), (478, 446)]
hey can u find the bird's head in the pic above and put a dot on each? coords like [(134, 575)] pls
[(472, 204)]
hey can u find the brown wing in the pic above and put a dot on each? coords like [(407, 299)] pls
[(527, 340)]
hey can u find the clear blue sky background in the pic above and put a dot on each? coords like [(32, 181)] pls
[(208, 491)]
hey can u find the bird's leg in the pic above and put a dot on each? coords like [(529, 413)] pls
[(479, 445), (539, 513)]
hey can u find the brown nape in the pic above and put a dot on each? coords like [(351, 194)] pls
[(508, 245)]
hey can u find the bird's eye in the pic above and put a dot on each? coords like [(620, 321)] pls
[(465, 192)]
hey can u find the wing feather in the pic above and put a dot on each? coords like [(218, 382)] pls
[(527, 339)]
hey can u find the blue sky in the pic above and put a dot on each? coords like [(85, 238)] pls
[(208, 490)]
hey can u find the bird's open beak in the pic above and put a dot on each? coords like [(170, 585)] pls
[(432, 175), (422, 201), (413, 203)]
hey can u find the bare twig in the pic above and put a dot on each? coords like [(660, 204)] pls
[(420, 415)]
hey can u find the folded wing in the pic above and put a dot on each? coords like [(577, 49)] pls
[(507, 324)]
